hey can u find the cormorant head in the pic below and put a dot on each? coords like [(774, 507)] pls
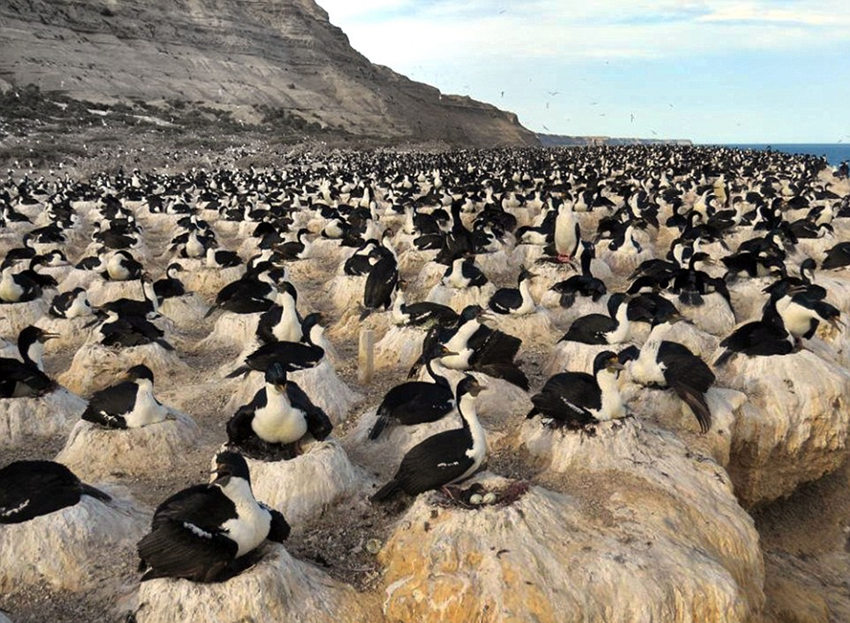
[(614, 302), (290, 290), (312, 319), (440, 350), (469, 385), (525, 274), (606, 360), (807, 267), (30, 335), (470, 312), (276, 375), (140, 372), (174, 267), (229, 464)]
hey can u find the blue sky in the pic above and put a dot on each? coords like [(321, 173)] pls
[(712, 71)]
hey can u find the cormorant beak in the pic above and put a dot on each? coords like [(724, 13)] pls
[(49, 336), (836, 324), (445, 352), (614, 364)]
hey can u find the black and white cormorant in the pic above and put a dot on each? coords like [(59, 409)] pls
[(421, 312), (169, 286), (601, 329), (129, 404), (200, 533), (444, 458), (130, 331), (416, 402), (812, 291), (122, 266), (380, 285), (515, 301), (753, 264), (584, 284), (147, 307), (567, 233), (298, 249), (255, 291), (463, 273), (277, 418), (759, 338), (667, 364), (476, 347), (26, 378), (801, 314), (222, 258), (291, 355), (281, 322), (21, 287), (72, 304), (577, 399), (30, 489)]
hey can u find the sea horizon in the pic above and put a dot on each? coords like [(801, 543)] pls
[(835, 153)]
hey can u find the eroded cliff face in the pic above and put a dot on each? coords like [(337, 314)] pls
[(237, 54)]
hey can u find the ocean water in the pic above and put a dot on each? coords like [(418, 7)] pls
[(835, 153)]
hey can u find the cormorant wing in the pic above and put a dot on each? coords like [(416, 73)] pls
[(107, 403), (567, 397), (493, 346), (268, 320), (204, 506), (318, 422), (590, 327), (239, 426), (177, 548), (506, 299), (435, 461), (690, 377)]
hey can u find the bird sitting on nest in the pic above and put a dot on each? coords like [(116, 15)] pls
[(205, 532), (26, 378), (575, 400), (30, 489), (445, 458), (280, 415), (129, 404)]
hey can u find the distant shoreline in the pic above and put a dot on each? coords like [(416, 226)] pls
[(835, 153)]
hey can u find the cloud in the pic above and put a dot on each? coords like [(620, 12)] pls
[(711, 58), (441, 30), (757, 13)]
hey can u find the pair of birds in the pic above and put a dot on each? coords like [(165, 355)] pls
[(204, 533), (577, 399), (794, 310), (128, 404)]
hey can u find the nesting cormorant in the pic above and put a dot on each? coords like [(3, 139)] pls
[(129, 404), (30, 489), (577, 399), (200, 533), (444, 458)]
